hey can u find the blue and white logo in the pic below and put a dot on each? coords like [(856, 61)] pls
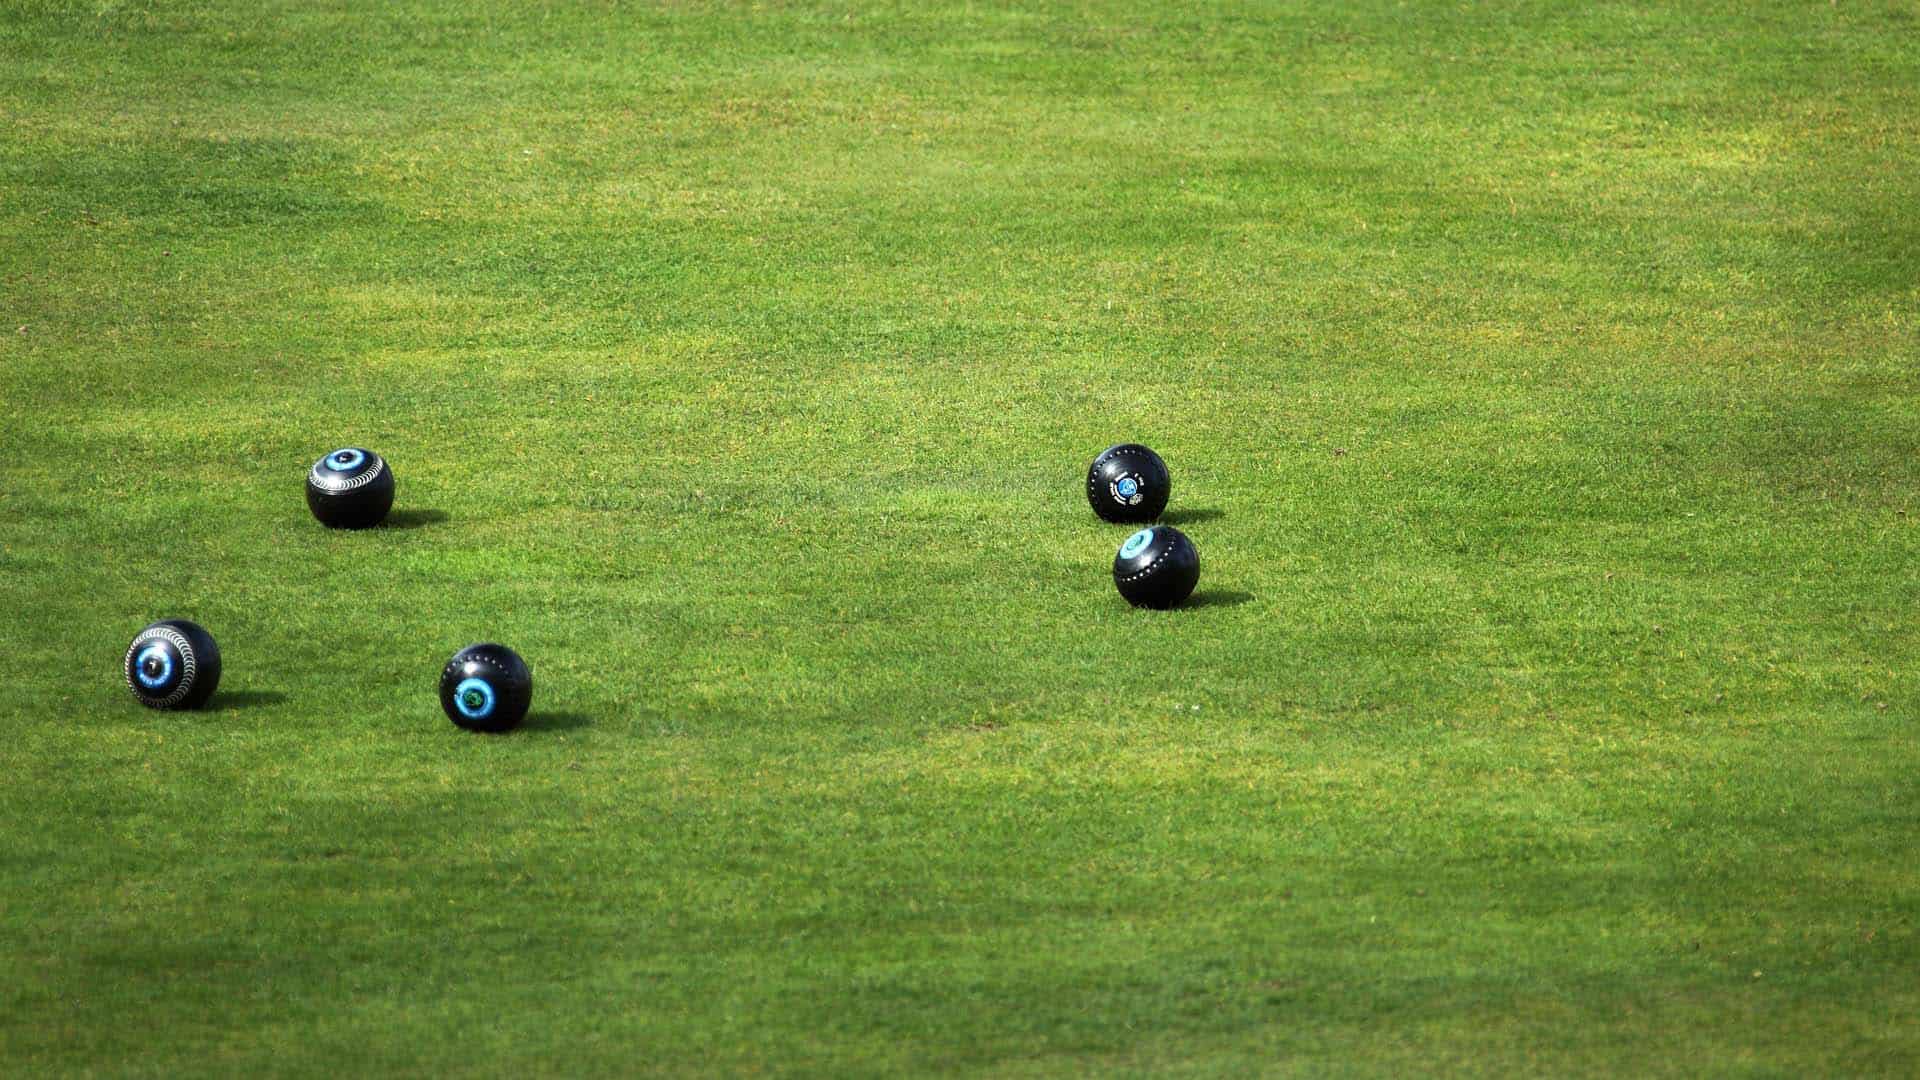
[(1127, 490), (153, 667), (346, 460), (474, 698), (1127, 487), (1136, 543)]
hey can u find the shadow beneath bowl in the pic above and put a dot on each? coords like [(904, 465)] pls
[(244, 699), (1192, 516), (555, 721), (1217, 598), (413, 519)]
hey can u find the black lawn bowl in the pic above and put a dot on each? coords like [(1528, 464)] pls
[(486, 687), (1157, 567), (173, 664), (350, 488), (1128, 484)]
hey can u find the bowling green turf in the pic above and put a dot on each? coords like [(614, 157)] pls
[(1540, 383)]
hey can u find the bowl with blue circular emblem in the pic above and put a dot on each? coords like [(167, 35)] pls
[(1156, 567), (172, 664), (350, 488), (1128, 484), (486, 687)]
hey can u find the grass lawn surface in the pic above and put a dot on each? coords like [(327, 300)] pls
[(1540, 383)]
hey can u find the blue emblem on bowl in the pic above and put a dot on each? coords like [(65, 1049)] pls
[(153, 667), (345, 460), (1136, 543), (474, 698)]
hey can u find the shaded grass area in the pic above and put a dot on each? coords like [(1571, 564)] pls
[(1541, 385)]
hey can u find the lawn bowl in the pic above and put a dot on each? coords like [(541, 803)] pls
[(350, 488), (1156, 567), (172, 664), (486, 687), (1128, 484)]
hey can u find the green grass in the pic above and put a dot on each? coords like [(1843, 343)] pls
[(1541, 384)]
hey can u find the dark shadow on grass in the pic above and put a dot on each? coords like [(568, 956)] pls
[(413, 519), (1217, 598), (1193, 516), (244, 699), (555, 721)]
